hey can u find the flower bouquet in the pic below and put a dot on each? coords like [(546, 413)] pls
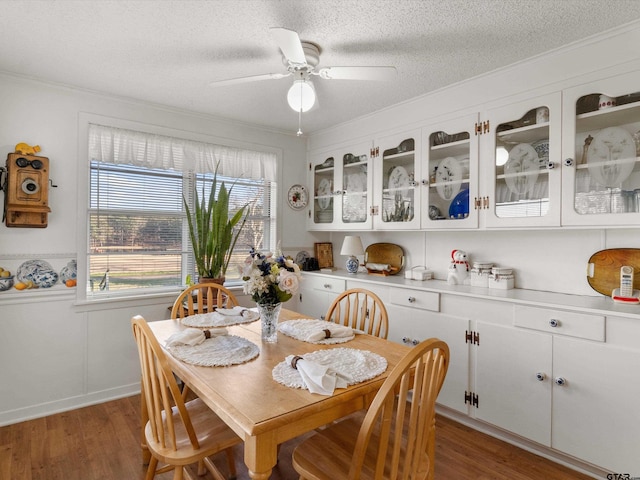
[(270, 280)]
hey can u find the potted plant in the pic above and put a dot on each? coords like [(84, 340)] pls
[(213, 231)]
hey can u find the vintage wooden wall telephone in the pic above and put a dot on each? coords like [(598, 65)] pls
[(26, 188)]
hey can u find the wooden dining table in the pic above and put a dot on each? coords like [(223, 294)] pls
[(263, 412)]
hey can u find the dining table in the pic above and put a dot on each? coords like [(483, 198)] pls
[(262, 411)]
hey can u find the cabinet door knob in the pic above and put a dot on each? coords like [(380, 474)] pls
[(540, 376), (560, 381), (568, 162), (411, 299), (554, 323), (551, 165)]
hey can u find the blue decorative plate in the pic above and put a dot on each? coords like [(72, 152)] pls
[(41, 273), (459, 207)]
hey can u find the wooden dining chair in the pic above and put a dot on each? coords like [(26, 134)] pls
[(178, 433), (209, 295), (395, 438), (360, 309)]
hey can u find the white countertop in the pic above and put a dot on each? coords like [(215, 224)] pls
[(581, 303)]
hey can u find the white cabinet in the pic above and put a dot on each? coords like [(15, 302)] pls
[(413, 317), (396, 192), (513, 380), (601, 146), (520, 161), (553, 379), (341, 184), (450, 174), (316, 294), (595, 412), (367, 185)]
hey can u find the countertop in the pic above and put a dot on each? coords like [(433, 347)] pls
[(597, 304)]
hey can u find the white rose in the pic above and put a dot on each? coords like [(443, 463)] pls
[(289, 282)]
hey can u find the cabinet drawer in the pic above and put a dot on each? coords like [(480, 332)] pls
[(326, 284), (559, 322), (415, 298)]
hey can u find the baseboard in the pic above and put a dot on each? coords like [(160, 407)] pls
[(63, 405), (521, 442)]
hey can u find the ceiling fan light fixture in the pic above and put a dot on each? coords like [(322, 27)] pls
[(301, 96)]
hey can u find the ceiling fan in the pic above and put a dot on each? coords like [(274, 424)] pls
[(301, 60)]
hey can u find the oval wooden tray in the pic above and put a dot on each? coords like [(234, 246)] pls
[(386, 253), (603, 268)]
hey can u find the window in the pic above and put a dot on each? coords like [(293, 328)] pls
[(138, 234)]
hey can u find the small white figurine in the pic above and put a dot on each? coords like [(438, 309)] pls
[(458, 269)]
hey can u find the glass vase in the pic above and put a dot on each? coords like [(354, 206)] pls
[(269, 314)]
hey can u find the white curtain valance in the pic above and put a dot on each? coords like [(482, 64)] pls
[(122, 146)]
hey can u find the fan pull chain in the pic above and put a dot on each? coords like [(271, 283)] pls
[(299, 132)]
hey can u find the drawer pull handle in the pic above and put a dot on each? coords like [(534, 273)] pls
[(560, 381), (411, 299), (540, 376), (554, 323), (327, 285)]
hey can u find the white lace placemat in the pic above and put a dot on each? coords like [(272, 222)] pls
[(220, 351), (356, 365), (215, 319), (303, 329)]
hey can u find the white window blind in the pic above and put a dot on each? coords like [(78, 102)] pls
[(138, 236)]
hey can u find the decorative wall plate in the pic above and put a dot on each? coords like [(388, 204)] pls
[(297, 197), (40, 272), (611, 156)]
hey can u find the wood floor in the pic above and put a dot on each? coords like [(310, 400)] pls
[(101, 442)]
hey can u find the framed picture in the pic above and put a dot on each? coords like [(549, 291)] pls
[(324, 254)]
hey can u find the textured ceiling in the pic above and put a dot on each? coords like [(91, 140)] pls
[(167, 52)]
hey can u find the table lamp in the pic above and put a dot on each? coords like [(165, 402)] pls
[(352, 246)]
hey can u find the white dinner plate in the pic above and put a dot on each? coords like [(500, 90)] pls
[(399, 180), (611, 156), (324, 191), (522, 168), (448, 178)]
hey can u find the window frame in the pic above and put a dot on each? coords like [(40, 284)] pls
[(84, 189)]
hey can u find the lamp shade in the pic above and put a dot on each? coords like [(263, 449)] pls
[(301, 96), (352, 245)]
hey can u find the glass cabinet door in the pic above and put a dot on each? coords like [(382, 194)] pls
[(397, 188), (356, 187), (524, 188), (603, 169), (450, 175), (322, 211)]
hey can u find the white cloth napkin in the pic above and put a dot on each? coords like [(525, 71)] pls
[(337, 331), (378, 267), (193, 336), (231, 315), (318, 378), (231, 311)]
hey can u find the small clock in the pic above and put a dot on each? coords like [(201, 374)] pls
[(297, 197)]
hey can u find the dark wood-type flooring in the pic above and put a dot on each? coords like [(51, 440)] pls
[(101, 442)]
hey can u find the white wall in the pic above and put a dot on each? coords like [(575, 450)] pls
[(55, 353)]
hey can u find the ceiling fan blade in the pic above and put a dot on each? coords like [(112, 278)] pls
[(251, 78), (290, 44), (358, 73)]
